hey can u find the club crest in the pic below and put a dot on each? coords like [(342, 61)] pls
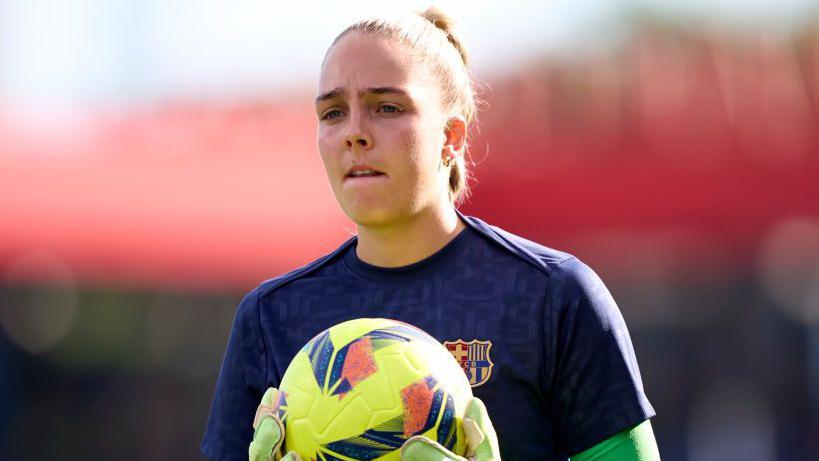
[(473, 356)]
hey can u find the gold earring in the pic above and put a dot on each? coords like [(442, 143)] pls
[(447, 161)]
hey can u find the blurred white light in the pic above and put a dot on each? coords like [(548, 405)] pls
[(36, 319), (771, 15), (731, 420), (789, 267), (58, 54)]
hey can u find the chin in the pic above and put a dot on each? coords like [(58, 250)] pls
[(371, 218), (371, 215)]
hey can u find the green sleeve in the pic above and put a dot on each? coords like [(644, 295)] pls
[(635, 444)]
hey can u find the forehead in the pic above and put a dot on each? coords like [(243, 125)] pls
[(372, 60)]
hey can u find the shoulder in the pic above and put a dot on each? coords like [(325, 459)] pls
[(269, 286), (548, 260), (564, 270)]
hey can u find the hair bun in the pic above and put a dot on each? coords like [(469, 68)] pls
[(443, 22)]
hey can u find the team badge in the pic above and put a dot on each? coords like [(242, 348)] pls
[(474, 359)]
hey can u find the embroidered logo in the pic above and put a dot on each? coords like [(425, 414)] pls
[(474, 359)]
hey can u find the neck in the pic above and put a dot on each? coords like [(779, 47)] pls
[(410, 241)]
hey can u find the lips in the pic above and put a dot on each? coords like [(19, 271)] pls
[(363, 171)]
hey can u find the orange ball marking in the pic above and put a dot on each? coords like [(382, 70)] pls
[(359, 363), (417, 400)]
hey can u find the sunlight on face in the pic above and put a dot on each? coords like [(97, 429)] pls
[(381, 119)]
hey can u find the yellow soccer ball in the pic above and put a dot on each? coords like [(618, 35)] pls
[(361, 388)]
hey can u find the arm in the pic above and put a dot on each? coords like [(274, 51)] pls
[(635, 444), (596, 386), (239, 387)]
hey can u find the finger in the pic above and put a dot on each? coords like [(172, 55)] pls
[(267, 439), (270, 396), (268, 407), (268, 433), (474, 436), (482, 440), (292, 456), (420, 448)]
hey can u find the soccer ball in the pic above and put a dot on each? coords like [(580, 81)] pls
[(360, 389)]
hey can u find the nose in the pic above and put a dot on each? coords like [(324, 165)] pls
[(358, 136), (361, 140)]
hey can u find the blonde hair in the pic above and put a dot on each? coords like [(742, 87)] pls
[(431, 34)]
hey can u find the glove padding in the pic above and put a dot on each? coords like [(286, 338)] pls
[(268, 431), (481, 440)]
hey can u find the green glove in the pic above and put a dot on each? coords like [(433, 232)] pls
[(268, 431), (481, 440)]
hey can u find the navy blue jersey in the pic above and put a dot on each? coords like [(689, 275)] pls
[(538, 334)]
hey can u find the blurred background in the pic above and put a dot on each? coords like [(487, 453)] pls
[(158, 160)]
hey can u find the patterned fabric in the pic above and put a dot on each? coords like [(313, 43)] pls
[(563, 374)]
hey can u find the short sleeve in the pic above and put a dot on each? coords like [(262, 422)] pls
[(597, 387), (239, 387)]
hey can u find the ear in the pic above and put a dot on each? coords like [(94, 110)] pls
[(454, 137)]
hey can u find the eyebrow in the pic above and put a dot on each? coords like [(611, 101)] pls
[(336, 92)]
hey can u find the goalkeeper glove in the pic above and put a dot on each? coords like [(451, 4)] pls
[(481, 440), (482, 443), (268, 431)]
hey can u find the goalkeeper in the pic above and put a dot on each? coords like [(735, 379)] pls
[(539, 336)]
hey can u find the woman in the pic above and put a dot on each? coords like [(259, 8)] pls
[(394, 104)]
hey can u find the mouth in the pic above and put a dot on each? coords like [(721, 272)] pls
[(360, 172)]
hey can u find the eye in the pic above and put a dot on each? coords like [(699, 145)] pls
[(389, 109), (331, 114)]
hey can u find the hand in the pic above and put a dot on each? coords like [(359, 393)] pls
[(481, 440), (268, 431)]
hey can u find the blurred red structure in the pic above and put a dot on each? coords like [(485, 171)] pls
[(680, 131)]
